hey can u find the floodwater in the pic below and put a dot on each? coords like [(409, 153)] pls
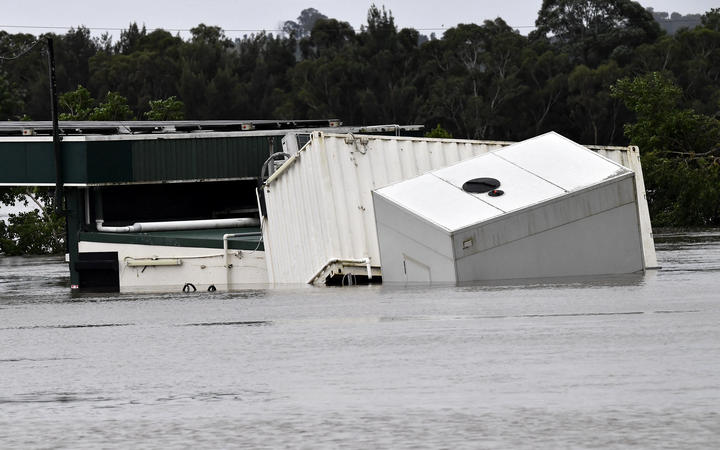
[(630, 361)]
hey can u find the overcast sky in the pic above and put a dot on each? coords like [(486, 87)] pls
[(243, 17)]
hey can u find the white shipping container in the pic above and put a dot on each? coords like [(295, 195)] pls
[(319, 210), (561, 210)]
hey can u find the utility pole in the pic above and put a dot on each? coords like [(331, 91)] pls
[(59, 194), (60, 210)]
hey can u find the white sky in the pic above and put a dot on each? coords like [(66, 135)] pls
[(424, 15)]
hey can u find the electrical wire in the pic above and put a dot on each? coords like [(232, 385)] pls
[(258, 30), (226, 30), (22, 52)]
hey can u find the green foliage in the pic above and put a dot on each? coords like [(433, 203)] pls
[(662, 126), (114, 107), (328, 36), (305, 23), (682, 192), (439, 132), (168, 109), (11, 103), (130, 39), (35, 232), (681, 151), (592, 31), (711, 20), (590, 104), (480, 81), (28, 233), (484, 81), (475, 76), (78, 104)]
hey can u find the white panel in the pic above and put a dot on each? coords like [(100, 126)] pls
[(200, 266), (603, 244), (546, 216), (593, 232), (560, 161), (405, 223), (438, 196), (398, 248), (630, 157), (522, 188), (439, 202)]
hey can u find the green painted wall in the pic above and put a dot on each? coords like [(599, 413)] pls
[(34, 162), (137, 161)]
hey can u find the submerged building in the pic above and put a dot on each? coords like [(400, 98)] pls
[(119, 177), (226, 204)]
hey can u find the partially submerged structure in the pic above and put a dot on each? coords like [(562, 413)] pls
[(176, 205), (160, 205), (319, 219), (545, 207)]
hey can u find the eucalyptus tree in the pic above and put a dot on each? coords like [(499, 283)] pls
[(305, 23), (389, 61), (261, 63), (477, 79), (591, 31), (545, 71), (594, 113), (324, 84), (146, 66)]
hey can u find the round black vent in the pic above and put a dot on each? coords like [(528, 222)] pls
[(480, 185)]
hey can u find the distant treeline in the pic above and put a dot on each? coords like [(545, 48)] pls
[(481, 81), (674, 22)]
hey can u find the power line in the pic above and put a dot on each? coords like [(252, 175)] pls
[(22, 52), (53, 27), (231, 30), (258, 30)]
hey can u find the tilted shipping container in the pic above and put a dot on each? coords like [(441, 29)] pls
[(319, 216)]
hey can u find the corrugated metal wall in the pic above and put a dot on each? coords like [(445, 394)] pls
[(119, 160), (32, 161), (195, 159), (319, 204)]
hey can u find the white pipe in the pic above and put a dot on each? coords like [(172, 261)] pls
[(180, 225), (144, 262), (226, 254), (87, 206), (132, 258), (286, 165), (225, 244), (225, 250)]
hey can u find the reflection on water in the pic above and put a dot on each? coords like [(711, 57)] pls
[(609, 362)]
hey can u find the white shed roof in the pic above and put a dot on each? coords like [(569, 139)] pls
[(529, 172), (561, 161)]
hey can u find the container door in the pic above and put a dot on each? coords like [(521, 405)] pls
[(415, 271)]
